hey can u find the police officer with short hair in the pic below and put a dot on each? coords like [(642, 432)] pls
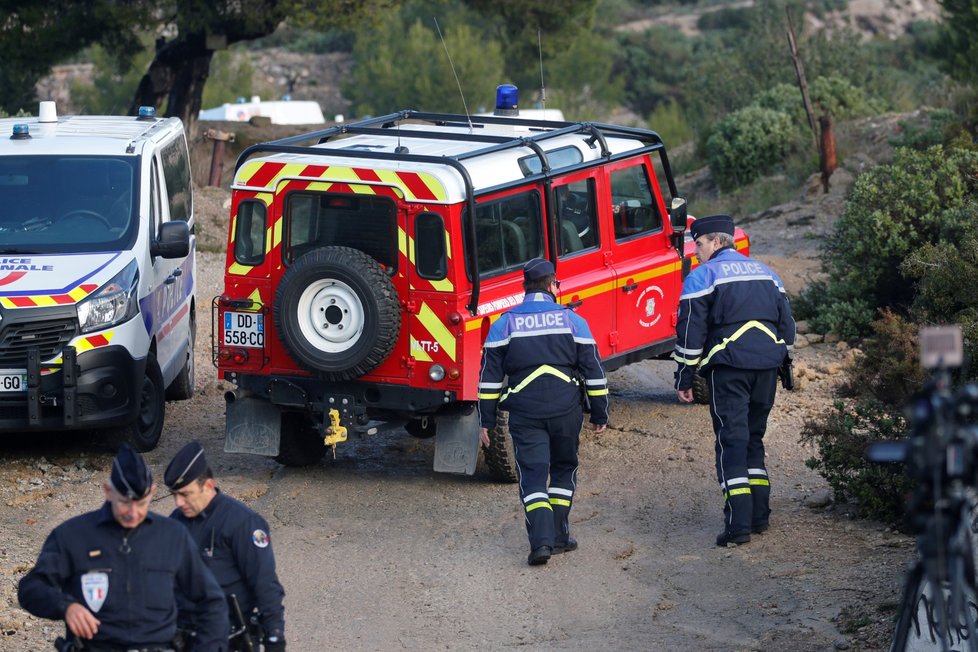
[(538, 360), (735, 327), (114, 575), (235, 544)]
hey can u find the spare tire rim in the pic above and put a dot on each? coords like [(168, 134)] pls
[(330, 315)]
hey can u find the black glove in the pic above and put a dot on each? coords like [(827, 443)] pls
[(275, 646), (786, 374)]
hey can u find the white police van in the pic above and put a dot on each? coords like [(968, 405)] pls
[(97, 272)]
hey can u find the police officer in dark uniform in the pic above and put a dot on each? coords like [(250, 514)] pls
[(235, 544), (114, 575), (735, 326), (538, 361)]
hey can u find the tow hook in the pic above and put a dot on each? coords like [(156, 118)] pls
[(335, 433)]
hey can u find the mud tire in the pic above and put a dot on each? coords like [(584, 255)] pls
[(499, 456), (299, 441), (337, 313)]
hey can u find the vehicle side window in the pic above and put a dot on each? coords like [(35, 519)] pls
[(430, 251), (155, 208), (633, 205), (577, 220), (176, 173), (508, 232), (364, 222), (249, 233)]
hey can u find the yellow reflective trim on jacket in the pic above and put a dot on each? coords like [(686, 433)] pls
[(487, 397), (534, 506), (762, 482), (597, 392), (563, 502), (737, 334), (539, 371), (692, 362)]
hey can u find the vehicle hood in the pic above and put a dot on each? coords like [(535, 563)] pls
[(34, 280)]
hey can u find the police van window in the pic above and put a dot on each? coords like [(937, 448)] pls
[(176, 173), (249, 233), (577, 221), (558, 158), (430, 251), (364, 222), (633, 206), (508, 232), (155, 200), (67, 204)]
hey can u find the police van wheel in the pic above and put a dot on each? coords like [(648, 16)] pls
[(144, 433), (701, 390), (337, 313), (182, 387), (299, 442), (500, 458)]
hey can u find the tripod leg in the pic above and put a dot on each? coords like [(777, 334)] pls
[(906, 615)]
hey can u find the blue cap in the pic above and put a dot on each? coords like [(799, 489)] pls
[(130, 476), (712, 224), (187, 465), (538, 268)]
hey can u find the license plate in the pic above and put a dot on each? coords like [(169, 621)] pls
[(245, 329), (13, 380)]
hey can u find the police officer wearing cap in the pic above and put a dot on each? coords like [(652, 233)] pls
[(114, 575), (538, 361), (235, 544), (735, 327)]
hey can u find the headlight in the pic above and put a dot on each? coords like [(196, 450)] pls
[(113, 303), (436, 372)]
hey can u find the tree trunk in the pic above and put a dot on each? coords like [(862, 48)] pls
[(826, 150), (177, 74)]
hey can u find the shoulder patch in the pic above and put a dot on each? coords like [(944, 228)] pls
[(260, 538)]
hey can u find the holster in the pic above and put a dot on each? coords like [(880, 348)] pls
[(585, 399), (786, 374), (61, 645)]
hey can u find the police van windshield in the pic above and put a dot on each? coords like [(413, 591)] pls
[(67, 204)]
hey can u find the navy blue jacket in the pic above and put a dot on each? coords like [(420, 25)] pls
[(236, 546), (733, 311), (139, 587), (545, 350)]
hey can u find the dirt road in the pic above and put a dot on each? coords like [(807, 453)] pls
[(377, 552)]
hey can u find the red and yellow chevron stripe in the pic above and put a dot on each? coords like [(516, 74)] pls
[(41, 300), (412, 186)]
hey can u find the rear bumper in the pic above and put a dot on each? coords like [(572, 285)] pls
[(99, 388)]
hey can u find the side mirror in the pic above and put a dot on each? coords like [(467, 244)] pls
[(173, 240), (677, 214)]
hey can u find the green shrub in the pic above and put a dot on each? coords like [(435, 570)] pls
[(893, 211), (841, 437), (888, 371), (749, 143), (935, 127)]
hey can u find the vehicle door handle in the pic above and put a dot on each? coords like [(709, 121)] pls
[(628, 288), (178, 271), (574, 305), (170, 279)]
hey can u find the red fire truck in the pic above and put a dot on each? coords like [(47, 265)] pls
[(366, 261)]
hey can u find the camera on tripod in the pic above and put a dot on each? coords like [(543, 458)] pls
[(942, 445)]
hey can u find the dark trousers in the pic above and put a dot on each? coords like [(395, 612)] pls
[(740, 401), (546, 449)]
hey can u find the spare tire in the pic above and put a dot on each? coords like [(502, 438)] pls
[(337, 313)]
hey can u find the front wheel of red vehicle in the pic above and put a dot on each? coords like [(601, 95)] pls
[(337, 313)]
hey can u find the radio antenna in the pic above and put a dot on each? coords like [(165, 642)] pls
[(457, 82), (543, 87)]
